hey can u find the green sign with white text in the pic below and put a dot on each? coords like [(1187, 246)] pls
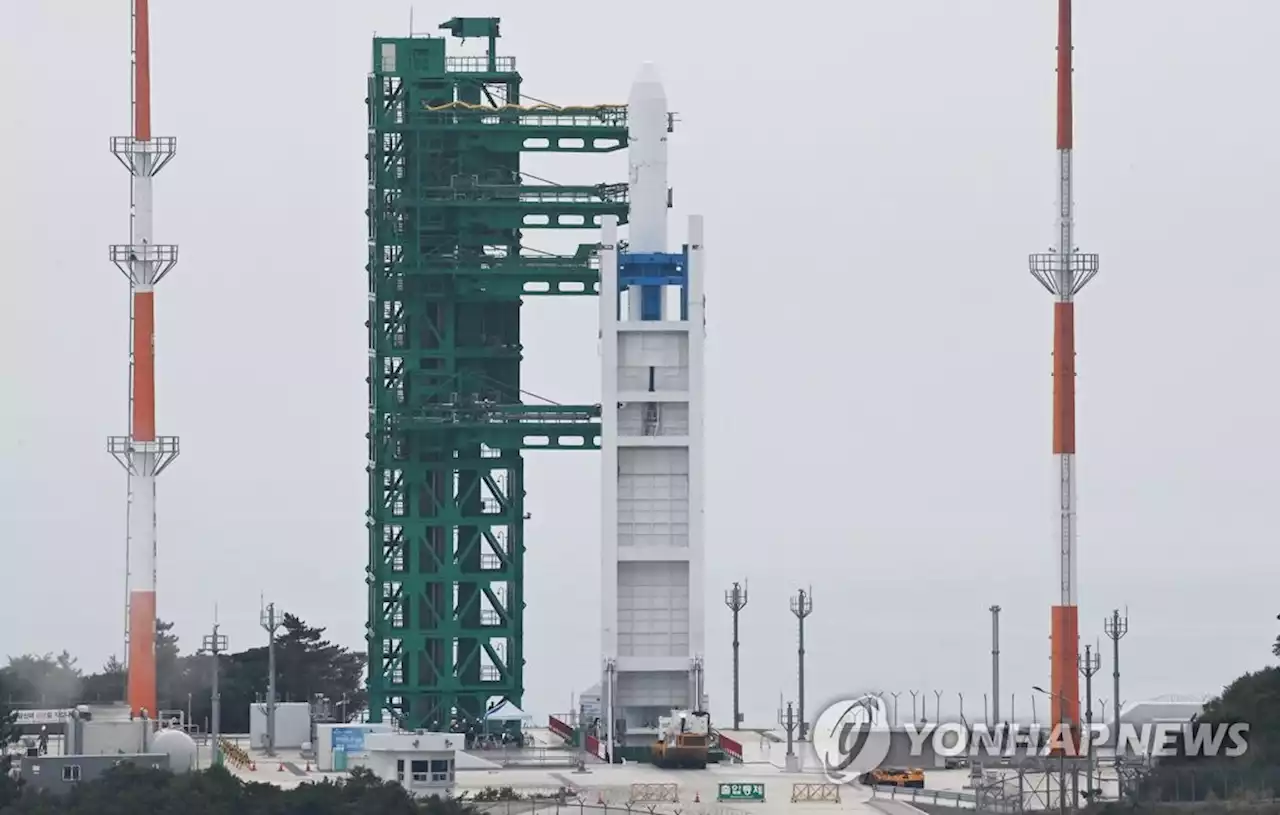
[(740, 792)]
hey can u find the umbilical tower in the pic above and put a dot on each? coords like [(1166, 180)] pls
[(450, 211)]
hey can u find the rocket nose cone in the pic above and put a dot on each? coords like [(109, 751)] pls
[(648, 75), (648, 84)]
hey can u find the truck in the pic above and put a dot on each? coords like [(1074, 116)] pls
[(684, 740)]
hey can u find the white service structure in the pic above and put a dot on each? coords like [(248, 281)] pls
[(652, 330), (293, 725)]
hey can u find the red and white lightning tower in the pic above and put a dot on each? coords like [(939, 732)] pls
[(1064, 272), (143, 454)]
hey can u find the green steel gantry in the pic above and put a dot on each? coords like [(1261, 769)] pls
[(448, 208)]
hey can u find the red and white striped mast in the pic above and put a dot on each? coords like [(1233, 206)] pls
[(1064, 272), (143, 454)]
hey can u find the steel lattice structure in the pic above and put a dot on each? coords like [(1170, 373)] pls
[(448, 209)]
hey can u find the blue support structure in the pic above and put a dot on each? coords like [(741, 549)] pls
[(651, 271)]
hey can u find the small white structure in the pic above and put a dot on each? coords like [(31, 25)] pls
[(424, 763), (340, 746), (505, 713), (88, 735), (293, 724)]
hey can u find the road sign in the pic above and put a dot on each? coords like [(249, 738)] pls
[(740, 792)]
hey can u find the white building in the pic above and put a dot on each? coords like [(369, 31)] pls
[(424, 763)]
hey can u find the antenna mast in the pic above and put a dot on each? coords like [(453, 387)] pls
[(142, 453), (1064, 272), (802, 607), (736, 600)]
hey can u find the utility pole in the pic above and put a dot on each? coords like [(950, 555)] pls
[(995, 664), (915, 694), (1116, 627), (1063, 733), (215, 644), (895, 695), (736, 600), (802, 606), (788, 723), (937, 707), (271, 623), (1090, 662)]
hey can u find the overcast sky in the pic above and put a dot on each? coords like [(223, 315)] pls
[(873, 175)]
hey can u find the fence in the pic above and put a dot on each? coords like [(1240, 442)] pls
[(650, 793), (815, 793), (915, 795), (1172, 784), (573, 806)]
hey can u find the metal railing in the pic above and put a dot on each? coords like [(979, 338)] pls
[(573, 806), (913, 795)]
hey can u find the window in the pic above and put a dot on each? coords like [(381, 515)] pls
[(400, 770), (71, 772), (419, 770), (441, 771)]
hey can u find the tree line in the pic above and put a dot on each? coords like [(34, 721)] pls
[(307, 665), (1254, 775), (128, 789)]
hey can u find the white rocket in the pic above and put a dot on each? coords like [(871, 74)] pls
[(647, 152), (652, 451)]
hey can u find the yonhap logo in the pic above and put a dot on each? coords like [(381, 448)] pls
[(851, 737)]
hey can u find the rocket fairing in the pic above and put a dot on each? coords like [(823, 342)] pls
[(647, 123)]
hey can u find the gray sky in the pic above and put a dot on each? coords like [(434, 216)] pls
[(873, 175)]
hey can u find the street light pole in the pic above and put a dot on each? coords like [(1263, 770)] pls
[(1089, 663), (215, 644), (1062, 752)]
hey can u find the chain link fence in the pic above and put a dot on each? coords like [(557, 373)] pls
[(1184, 785)]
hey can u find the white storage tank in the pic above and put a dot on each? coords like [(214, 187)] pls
[(178, 746)]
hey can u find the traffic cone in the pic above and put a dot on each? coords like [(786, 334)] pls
[(600, 798), (280, 768), (697, 799), (308, 766), (253, 766)]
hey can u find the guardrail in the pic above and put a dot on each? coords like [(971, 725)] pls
[(912, 795), (730, 746), (561, 729)]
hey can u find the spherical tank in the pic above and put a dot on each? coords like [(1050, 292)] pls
[(178, 746)]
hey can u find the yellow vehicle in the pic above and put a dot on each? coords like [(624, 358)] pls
[(684, 739), (893, 777)]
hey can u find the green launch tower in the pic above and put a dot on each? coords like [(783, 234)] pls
[(449, 211)]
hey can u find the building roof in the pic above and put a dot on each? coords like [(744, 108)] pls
[(1168, 708)]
